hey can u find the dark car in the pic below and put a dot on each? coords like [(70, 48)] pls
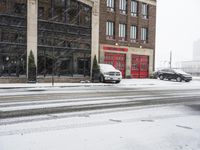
[(155, 74), (176, 74)]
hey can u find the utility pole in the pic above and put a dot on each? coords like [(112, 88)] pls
[(53, 64), (170, 61)]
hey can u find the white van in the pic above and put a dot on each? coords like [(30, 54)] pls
[(109, 73)]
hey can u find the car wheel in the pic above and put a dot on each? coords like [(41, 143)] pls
[(178, 79), (161, 77), (117, 81), (102, 79)]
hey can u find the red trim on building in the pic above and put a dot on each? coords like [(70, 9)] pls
[(115, 49)]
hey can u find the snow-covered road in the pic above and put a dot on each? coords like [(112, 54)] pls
[(44, 99), (154, 128), (133, 115)]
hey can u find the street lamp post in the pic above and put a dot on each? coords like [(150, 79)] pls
[(53, 63), (170, 61), (7, 59)]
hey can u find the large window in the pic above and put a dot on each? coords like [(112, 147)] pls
[(144, 10), (133, 34), (122, 6), (134, 8), (13, 31), (20, 8), (122, 32), (64, 38), (110, 5), (109, 30), (144, 35)]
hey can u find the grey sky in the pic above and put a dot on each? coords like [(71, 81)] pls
[(178, 26)]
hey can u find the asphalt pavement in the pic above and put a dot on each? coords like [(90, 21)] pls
[(44, 100)]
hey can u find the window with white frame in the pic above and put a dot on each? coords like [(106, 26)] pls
[(109, 30), (122, 6), (144, 10), (134, 8), (122, 32), (110, 5), (133, 34), (144, 35)]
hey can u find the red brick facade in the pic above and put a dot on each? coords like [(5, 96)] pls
[(129, 20), (137, 49)]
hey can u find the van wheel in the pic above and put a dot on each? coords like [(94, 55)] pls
[(178, 79), (117, 82), (102, 80)]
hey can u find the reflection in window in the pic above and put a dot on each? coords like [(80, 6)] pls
[(110, 5), (13, 37), (20, 8), (133, 34), (109, 30), (122, 6), (144, 35), (64, 37), (144, 10), (134, 8), (122, 32)]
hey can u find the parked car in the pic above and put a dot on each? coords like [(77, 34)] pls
[(109, 73), (176, 74), (155, 74)]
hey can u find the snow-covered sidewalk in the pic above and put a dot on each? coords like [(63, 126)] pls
[(123, 83)]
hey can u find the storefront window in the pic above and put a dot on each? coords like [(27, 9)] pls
[(13, 38), (64, 38)]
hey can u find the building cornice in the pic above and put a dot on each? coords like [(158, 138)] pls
[(151, 2), (87, 2)]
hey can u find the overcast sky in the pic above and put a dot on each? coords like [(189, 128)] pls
[(178, 26)]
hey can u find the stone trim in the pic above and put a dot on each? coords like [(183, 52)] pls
[(151, 2), (87, 2), (32, 30)]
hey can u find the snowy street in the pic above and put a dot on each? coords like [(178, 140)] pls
[(166, 128), (43, 99), (133, 115)]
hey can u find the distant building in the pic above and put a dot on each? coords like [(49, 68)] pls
[(193, 67), (196, 50)]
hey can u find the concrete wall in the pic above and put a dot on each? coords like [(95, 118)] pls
[(32, 13)]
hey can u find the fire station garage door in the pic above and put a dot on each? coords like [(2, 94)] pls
[(117, 60), (140, 66)]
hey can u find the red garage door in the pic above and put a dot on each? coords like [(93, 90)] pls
[(140, 66), (117, 60)]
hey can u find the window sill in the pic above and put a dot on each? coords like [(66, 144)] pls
[(110, 39), (133, 41)]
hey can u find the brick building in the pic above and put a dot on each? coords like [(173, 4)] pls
[(127, 36), (65, 35)]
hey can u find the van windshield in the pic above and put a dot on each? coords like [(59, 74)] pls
[(106, 67)]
